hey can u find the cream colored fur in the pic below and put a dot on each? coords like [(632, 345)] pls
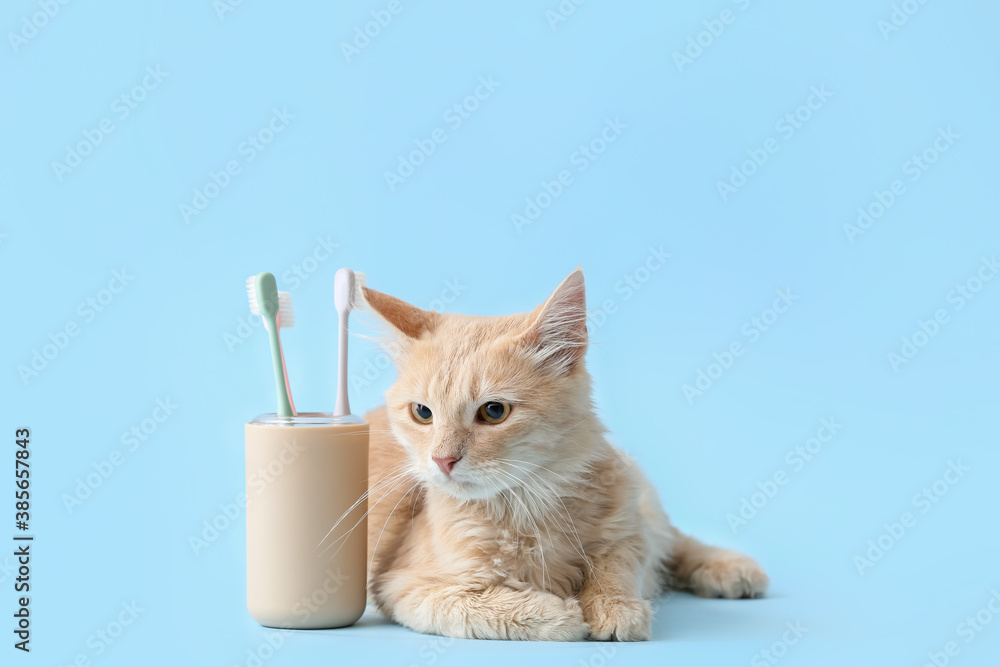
[(543, 530)]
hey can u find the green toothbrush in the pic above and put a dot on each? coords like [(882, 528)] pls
[(275, 309)]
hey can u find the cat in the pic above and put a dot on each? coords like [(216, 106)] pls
[(497, 507)]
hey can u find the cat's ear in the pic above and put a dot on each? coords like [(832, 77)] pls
[(557, 329), (408, 320)]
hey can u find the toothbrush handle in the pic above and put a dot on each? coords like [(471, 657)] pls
[(343, 407), (284, 368), (284, 405)]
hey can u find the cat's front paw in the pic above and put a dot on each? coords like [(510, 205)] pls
[(619, 618), (552, 618), (729, 575)]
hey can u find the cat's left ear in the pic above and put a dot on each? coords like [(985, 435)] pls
[(557, 333), (410, 321)]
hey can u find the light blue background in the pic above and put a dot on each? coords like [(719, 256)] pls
[(166, 335)]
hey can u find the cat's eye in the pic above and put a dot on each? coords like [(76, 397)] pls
[(421, 413), (494, 412)]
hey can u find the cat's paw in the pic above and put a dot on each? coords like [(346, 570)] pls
[(549, 617), (729, 575), (619, 618)]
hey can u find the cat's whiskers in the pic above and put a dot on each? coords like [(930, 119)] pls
[(531, 518), (343, 538), (397, 481), (553, 491), (401, 499), (416, 501), (518, 523), (363, 497), (574, 541), (500, 493), (569, 483), (526, 522)]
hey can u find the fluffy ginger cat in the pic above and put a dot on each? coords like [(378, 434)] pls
[(497, 507)]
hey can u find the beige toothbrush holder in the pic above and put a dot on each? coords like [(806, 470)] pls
[(303, 475)]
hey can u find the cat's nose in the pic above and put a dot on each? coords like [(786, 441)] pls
[(446, 463)]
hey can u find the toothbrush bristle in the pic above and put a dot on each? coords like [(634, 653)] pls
[(358, 295), (285, 308), (252, 295)]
